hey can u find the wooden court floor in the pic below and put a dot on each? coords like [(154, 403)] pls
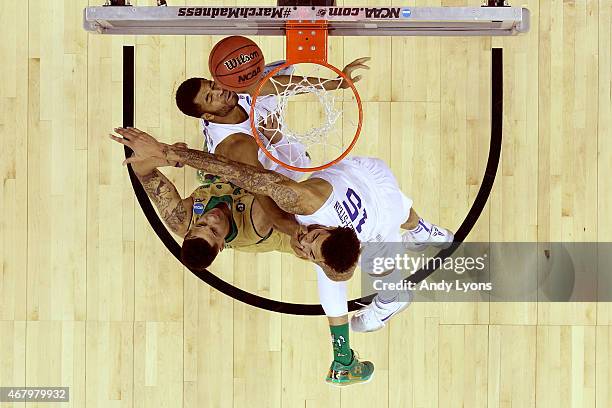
[(90, 298)]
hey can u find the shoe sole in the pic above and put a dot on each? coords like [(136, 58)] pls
[(344, 385)]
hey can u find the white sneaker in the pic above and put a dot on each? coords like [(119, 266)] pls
[(438, 238), (374, 316)]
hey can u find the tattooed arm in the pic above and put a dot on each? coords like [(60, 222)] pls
[(173, 210), (242, 148), (290, 196)]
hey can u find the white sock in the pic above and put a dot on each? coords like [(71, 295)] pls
[(422, 231)]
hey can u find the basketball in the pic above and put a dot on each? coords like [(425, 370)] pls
[(236, 63)]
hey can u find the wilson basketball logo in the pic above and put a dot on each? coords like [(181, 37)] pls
[(242, 59)]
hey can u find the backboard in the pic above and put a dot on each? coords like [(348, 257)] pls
[(341, 21), (306, 28)]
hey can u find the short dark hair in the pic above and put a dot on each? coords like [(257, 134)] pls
[(185, 95), (340, 250), (197, 254)]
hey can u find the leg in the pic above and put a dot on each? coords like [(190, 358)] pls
[(421, 233), (346, 369), (337, 321), (386, 303), (397, 204), (412, 221), (332, 295)]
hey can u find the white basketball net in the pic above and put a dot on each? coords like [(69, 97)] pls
[(297, 147)]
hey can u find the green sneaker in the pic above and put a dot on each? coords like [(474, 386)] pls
[(357, 372)]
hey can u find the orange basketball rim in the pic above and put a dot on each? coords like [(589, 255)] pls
[(306, 43)]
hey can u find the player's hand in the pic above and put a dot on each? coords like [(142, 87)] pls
[(295, 242), (143, 144), (269, 127), (161, 162), (359, 63)]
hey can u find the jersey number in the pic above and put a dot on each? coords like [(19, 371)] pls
[(352, 205)]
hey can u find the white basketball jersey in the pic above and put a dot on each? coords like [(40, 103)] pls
[(354, 202), (215, 133)]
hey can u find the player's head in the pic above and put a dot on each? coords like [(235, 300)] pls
[(197, 254), (335, 249), (205, 239), (202, 98)]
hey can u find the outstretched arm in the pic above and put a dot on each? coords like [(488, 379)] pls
[(290, 196), (282, 83)]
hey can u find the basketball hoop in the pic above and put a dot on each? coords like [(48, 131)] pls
[(323, 142), (306, 28)]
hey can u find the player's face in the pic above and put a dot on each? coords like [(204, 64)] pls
[(215, 100), (312, 240), (213, 227)]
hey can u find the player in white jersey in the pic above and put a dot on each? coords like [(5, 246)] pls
[(216, 133), (364, 197), (225, 122), (356, 200), (224, 116)]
